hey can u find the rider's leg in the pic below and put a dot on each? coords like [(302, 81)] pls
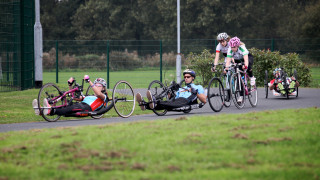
[(140, 101), (71, 109), (250, 72), (174, 103), (35, 107)]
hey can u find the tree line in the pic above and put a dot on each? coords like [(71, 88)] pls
[(200, 19)]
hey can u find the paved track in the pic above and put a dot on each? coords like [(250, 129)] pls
[(307, 98)]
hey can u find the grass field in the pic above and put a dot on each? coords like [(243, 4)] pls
[(266, 145)]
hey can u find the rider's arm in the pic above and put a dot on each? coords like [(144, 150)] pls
[(246, 60), (228, 62), (202, 98)]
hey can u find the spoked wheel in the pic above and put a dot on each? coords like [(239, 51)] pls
[(48, 92), (237, 91), (266, 88), (227, 92), (296, 77), (90, 92), (252, 94), (216, 94), (156, 87), (123, 99)]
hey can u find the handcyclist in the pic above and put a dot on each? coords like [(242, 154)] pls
[(184, 96), (87, 103), (238, 51), (277, 87), (222, 47)]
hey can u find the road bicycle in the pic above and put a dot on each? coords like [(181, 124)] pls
[(241, 87), (164, 93), (285, 81), (123, 100)]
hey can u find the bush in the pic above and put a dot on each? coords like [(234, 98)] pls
[(263, 60)]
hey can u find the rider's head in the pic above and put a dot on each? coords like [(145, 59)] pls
[(234, 43), (276, 72), (223, 38), (100, 83), (189, 75)]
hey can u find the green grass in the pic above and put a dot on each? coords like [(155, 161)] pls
[(315, 74), (265, 145)]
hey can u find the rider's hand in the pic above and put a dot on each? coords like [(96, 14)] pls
[(213, 68), (86, 78), (244, 67), (70, 81)]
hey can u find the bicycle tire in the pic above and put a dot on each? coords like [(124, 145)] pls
[(296, 77), (227, 97), (216, 94), (266, 88), (252, 93), (123, 99), (156, 87), (90, 92), (49, 91), (236, 91)]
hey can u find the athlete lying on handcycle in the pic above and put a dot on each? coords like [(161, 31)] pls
[(276, 84), (183, 96)]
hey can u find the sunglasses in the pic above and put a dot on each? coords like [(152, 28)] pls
[(187, 77), (98, 85)]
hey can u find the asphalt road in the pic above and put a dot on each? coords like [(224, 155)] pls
[(307, 98)]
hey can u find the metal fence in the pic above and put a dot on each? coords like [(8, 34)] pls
[(16, 44)]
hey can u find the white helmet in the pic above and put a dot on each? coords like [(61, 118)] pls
[(222, 36), (101, 81)]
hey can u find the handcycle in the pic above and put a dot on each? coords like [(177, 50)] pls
[(164, 92), (123, 100), (284, 80), (240, 87)]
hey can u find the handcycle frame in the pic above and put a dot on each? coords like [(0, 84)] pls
[(60, 99), (167, 93), (283, 78)]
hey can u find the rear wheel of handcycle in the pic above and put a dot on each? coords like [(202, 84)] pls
[(215, 94), (266, 83), (296, 77), (90, 92), (252, 93), (49, 91), (156, 87), (123, 99), (237, 90), (227, 98)]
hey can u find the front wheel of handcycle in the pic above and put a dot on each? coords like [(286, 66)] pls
[(216, 94), (123, 99), (237, 91), (47, 93), (156, 88)]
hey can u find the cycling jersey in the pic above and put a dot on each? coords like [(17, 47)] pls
[(222, 49), (94, 102), (242, 51), (185, 91)]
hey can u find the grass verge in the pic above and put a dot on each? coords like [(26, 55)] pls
[(265, 145)]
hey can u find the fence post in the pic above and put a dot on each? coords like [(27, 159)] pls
[(272, 45), (108, 64), (57, 60), (160, 60)]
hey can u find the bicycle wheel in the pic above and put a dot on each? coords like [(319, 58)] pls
[(156, 87), (49, 91), (216, 94), (227, 97), (123, 99), (237, 91), (296, 77), (252, 93), (266, 88), (90, 92)]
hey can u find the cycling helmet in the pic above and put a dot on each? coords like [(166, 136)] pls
[(190, 71), (101, 81), (276, 71), (222, 36), (234, 42)]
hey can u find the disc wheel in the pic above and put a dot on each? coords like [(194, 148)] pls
[(252, 93), (156, 87), (227, 97), (237, 90), (123, 99), (266, 88), (49, 91), (215, 94), (90, 92)]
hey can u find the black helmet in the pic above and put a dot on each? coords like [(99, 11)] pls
[(190, 71)]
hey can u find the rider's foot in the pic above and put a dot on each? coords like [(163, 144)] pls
[(253, 81), (240, 98), (275, 93), (47, 107), (151, 100), (294, 93), (139, 100), (35, 107)]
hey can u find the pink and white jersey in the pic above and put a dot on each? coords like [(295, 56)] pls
[(94, 102)]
